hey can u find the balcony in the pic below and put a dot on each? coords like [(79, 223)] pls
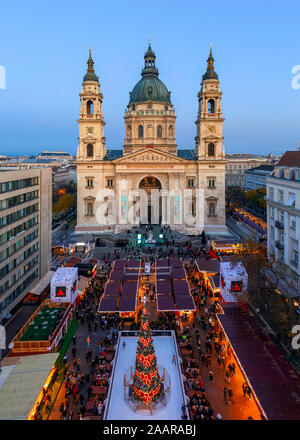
[(279, 225), (279, 245)]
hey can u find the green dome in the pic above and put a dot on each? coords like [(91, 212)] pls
[(90, 76), (150, 88)]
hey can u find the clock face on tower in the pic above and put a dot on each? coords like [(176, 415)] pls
[(90, 130)]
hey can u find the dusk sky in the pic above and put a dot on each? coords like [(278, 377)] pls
[(44, 49)]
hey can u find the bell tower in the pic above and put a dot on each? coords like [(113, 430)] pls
[(91, 123), (209, 138)]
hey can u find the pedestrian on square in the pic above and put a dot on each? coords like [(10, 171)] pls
[(74, 352), (225, 395), (230, 395)]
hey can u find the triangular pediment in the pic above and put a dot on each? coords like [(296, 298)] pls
[(151, 155)]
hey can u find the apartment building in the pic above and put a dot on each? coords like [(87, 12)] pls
[(25, 232), (256, 178), (283, 213), (237, 165)]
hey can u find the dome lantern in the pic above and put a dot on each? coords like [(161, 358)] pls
[(90, 74), (210, 71), (150, 87)]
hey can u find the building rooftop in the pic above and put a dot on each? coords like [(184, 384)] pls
[(261, 168), (290, 159)]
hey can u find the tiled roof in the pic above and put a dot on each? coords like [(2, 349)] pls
[(290, 159)]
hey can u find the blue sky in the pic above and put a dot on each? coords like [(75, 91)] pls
[(44, 49)]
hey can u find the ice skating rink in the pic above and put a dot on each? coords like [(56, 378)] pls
[(164, 350)]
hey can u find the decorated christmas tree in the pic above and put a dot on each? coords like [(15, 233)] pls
[(147, 386)]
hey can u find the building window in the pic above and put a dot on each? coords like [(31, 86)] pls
[(89, 208), (271, 193), (159, 131), (211, 209), (90, 183), (171, 131), (129, 131), (280, 196), (281, 218), (272, 232), (90, 107), (110, 183), (90, 150), (211, 106), (291, 200), (150, 131), (211, 183), (211, 149), (295, 277), (141, 132), (191, 183), (272, 213), (293, 222)]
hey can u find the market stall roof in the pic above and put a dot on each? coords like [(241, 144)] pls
[(119, 264), (209, 266), (275, 383), (108, 304), (165, 303), (181, 288), (116, 275), (112, 288), (129, 288), (43, 283), (22, 386), (133, 263), (178, 274), (162, 263), (163, 287), (185, 303), (176, 263), (127, 304)]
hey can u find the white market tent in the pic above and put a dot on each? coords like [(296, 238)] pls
[(23, 384), (233, 281), (64, 284)]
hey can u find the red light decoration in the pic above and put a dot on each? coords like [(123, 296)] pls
[(147, 386)]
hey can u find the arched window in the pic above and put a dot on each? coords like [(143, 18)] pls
[(211, 106), (159, 131), (149, 131), (211, 149), (90, 150), (141, 132), (90, 107), (171, 131)]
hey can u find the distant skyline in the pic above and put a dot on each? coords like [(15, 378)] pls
[(45, 48)]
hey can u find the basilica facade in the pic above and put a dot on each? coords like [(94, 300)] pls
[(151, 180)]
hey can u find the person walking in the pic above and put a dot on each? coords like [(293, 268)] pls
[(230, 395), (174, 359), (225, 395), (74, 350), (244, 387)]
